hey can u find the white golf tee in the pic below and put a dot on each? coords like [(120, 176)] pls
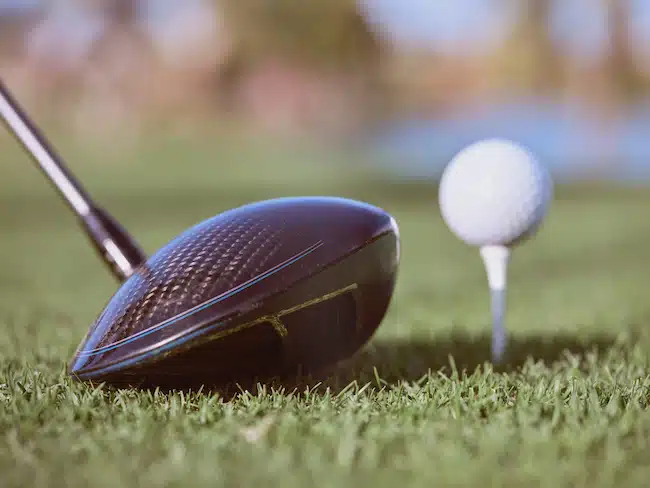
[(495, 259)]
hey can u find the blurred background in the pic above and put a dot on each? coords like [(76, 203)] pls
[(403, 84), (172, 111)]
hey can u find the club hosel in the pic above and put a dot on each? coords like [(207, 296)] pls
[(118, 249), (122, 253)]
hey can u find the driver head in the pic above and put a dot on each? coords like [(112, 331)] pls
[(269, 289)]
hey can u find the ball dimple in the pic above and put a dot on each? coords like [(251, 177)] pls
[(494, 192)]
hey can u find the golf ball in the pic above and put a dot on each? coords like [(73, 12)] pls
[(494, 192)]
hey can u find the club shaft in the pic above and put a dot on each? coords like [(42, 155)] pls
[(43, 153), (117, 248)]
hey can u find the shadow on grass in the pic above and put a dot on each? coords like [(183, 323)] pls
[(397, 360), (411, 359)]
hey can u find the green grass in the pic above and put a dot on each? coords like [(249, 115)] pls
[(420, 406)]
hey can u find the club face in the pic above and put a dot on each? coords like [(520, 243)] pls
[(262, 290)]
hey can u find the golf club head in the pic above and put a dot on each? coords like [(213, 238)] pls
[(269, 289)]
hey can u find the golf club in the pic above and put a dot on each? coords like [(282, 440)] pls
[(269, 289)]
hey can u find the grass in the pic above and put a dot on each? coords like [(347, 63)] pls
[(420, 406)]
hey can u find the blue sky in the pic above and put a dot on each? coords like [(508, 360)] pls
[(579, 25)]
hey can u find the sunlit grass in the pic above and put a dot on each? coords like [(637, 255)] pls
[(420, 406)]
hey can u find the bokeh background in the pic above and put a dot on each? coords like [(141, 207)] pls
[(170, 112), (405, 84)]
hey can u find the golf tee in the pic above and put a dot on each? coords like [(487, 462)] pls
[(495, 259)]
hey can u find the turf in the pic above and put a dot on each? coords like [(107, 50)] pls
[(420, 406)]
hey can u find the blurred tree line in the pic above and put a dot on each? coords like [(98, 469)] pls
[(320, 64), (619, 68)]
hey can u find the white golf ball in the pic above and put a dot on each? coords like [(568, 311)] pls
[(494, 192)]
